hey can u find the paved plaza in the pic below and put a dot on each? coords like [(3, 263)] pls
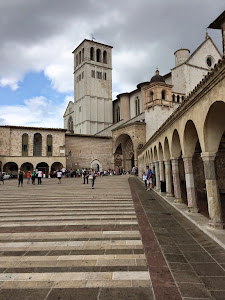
[(116, 241)]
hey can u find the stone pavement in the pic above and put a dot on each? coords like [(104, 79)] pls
[(71, 242)]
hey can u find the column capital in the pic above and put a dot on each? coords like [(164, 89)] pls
[(167, 161), (187, 157), (174, 158), (207, 156)]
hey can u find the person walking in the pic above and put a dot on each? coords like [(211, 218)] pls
[(20, 179), (2, 177), (59, 176), (28, 177), (39, 176), (86, 175), (33, 177), (92, 176), (149, 178), (144, 178)]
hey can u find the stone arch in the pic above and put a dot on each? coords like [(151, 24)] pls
[(96, 165), (190, 138), (43, 166), (166, 149), (155, 154), (152, 158), (11, 168), (175, 145), (27, 166), (160, 151), (214, 126), (56, 166), (124, 147)]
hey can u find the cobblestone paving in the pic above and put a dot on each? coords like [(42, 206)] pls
[(196, 262), (71, 242)]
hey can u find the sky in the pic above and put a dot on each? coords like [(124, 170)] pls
[(38, 37)]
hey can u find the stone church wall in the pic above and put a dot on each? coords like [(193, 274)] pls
[(81, 150)]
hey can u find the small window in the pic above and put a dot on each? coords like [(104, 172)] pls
[(104, 76), (178, 99), (79, 108), (173, 98), (209, 62), (163, 95), (80, 77), (99, 75), (82, 74), (182, 98), (118, 114), (151, 96), (93, 73), (77, 78), (76, 60), (137, 106), (83, 54)]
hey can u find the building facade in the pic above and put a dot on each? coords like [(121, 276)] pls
[(29, 148)]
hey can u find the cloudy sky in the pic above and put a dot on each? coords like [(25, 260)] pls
[(38, 36)]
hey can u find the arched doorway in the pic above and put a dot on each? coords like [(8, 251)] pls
[(56, 166), (124, 157), (96, 165), (11, 168), (25, 167), (42, 166)]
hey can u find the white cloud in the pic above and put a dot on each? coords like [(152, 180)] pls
[(37, 111)]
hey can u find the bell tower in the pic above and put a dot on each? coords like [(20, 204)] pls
[(92, 87)]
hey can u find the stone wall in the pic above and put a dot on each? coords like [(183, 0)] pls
[(82, 150)]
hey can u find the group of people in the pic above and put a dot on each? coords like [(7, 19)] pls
[(149, 178), (30, 176)]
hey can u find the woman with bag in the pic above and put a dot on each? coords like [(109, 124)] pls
[(92, 176)]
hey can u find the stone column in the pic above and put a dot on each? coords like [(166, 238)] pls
[(49, 171), (157, 174), (213, 195), (168, 175), (161, 171), (176, 180), (190, 185)]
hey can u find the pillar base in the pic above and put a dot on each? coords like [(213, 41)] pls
[(169, 195), (216, 225), (193, 210), (178, 200)]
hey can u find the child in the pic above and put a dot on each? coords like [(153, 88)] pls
[(144, 177)]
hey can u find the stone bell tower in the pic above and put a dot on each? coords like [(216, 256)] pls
[(92, 87)]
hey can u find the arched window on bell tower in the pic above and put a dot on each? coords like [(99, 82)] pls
[(98, 55), (92, 53)]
